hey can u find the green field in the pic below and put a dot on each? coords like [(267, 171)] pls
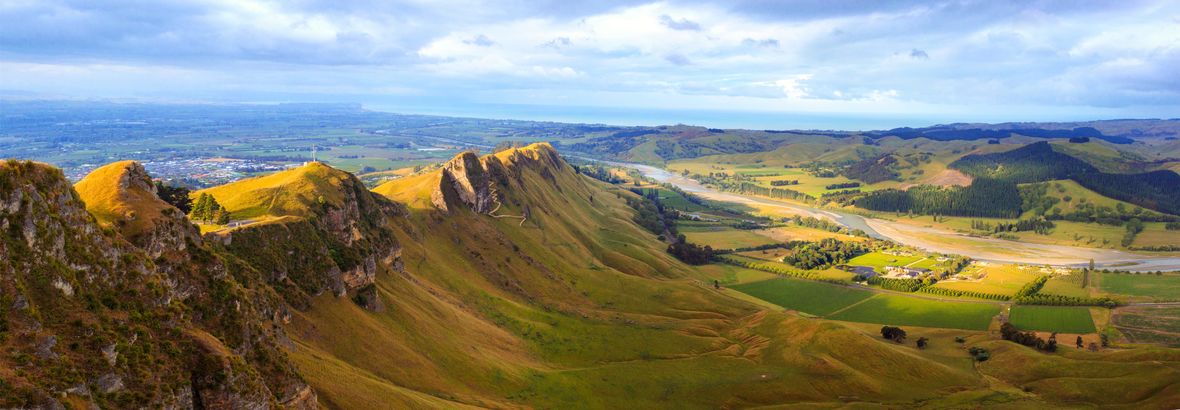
[(1062, 319), (1068, 285), (910, 311), (731, 275), (879, 261), (675, 200), (995, 279), (1158, 287), (816, 298), (723, 237)]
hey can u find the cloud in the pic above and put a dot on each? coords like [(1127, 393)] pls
[(557, 42), (991, 56), (767, 42), (480, 40), (682, 24), (677, 59)]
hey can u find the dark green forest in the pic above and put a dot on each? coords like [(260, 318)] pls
[(983, 198), (1037, 162)]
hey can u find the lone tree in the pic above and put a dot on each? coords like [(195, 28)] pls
[(922, 342), (1080, 343), (893, 333)]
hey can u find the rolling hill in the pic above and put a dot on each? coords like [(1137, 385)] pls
[(1040, 162), (511, 282)]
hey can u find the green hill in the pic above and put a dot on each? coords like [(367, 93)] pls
[(515, 283), (1040, 162)]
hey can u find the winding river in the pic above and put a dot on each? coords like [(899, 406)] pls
[(931, 239)]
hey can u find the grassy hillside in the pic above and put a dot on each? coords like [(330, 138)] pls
[(293, 192), (121, 193)]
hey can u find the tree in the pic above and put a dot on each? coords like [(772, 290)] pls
[(200, 208), (922, 342), (717, 285), (175, 195), (206, 209), (221, 217), (1080, 343), (893, 333)]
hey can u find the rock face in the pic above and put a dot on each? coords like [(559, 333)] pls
[(476, 183), (126, 309), (466, 182), (122, 195), (339, 246)]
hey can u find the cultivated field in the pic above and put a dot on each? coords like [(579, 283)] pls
[(1064, 319), (1068, 285), (879, 261), (816, 298), (911, 311), (1158, 325), (994, 278), (722, 237), (1157, 287)]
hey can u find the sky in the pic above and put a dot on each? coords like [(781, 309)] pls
[(740, 63)]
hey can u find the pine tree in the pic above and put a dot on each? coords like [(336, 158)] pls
[(200, 207)]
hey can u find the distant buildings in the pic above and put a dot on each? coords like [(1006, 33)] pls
[(904, 272)]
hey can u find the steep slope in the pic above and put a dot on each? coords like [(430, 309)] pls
[(318, 230), (90, 319), (121, 195), (521, 284), (575, 307)]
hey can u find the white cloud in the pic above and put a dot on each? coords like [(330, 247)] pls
[(962, 54)]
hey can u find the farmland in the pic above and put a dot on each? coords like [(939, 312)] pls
[(994, 278), (1155, 287), (1052, 319), (879, 260), (723, 237), (805, 296), (1150, 324), (910, 311)]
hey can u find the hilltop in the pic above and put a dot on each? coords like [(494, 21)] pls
[(315, 227), (502, 280), (93, 320), (122, 196)]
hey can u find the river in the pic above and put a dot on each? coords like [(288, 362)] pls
[(932, 239)]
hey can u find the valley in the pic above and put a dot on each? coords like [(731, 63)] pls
[(527, 276), (934, 240)]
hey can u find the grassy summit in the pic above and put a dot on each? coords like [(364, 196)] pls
[(296, 192), (121, 194)]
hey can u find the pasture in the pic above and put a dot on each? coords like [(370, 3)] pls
[(1064, 319), (1155, 325), (816, 298), (723, 237), (994, 278), (879, 260), (1156, 287), (900, 310)]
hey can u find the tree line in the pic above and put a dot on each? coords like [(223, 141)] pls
[(983, 198), (822, 254)]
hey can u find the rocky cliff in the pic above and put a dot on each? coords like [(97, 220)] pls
[(315, 229), (122, 196), (92, 318)]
